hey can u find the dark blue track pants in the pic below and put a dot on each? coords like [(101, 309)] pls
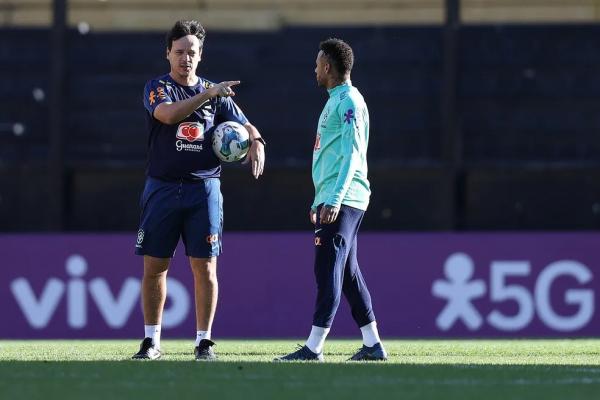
[(337, 270)]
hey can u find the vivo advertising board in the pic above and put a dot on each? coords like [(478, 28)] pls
[(422, 285)]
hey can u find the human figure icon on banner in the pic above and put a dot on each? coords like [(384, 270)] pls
[(459, 291)]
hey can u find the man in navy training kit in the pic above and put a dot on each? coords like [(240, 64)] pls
[(182, 196), (342, 192)]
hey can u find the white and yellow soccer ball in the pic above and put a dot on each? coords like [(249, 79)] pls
[(230, 141)]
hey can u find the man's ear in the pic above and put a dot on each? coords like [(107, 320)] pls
[(167, 53), (200, 55)]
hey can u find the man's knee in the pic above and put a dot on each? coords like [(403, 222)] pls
[(155, 267), (204, 268)]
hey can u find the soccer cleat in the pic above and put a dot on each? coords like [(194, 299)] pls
[(147, 351), (204, 351), (302, 354), (374, 353)]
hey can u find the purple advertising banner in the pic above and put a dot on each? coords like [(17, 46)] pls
[(422, 285)]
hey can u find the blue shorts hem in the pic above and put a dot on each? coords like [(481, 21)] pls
[(147, 253), (204, 255)]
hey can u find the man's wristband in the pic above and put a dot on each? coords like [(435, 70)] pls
[(260, 139)]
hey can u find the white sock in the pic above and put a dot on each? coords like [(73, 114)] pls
[(316, 340), (153, 332), (201, 335), (370, 334)]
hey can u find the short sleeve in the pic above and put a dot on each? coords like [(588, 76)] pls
[(227, 110), (155, 94)]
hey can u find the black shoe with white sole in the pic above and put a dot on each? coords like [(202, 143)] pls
[(204, 351), (147, 351)]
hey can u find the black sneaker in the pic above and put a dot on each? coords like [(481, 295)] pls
[(204, 351), (302, 354), (374, 353), (147, 351)]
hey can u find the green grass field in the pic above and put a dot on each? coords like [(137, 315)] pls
[(417, 369)]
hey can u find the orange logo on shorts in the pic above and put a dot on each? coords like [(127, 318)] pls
[(317, 241), (212, 238)]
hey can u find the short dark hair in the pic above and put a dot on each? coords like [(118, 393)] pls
[(183, 28), (339, 53)]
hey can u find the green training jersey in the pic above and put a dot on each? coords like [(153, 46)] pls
[(339, 167)]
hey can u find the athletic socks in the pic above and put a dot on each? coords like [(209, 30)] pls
[(370, 334), (316, 340), (201, 335), (153, 332)]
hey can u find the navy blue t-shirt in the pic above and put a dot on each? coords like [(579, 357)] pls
[(183, 151)]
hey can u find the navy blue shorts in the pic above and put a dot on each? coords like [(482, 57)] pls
[(170, 210)]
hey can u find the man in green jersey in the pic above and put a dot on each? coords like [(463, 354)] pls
[(339, 172)]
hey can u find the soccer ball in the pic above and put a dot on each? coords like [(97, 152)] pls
[(230, 141)]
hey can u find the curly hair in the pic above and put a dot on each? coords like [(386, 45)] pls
[(183, 28), (339, 53)]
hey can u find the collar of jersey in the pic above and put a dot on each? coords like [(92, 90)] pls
[(199, 83), (339, 88)]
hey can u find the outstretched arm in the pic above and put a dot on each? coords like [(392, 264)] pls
[(173, 112)]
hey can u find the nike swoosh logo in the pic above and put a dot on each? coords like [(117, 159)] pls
[(318, 230)]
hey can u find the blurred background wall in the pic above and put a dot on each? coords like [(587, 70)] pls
[(488, 125)]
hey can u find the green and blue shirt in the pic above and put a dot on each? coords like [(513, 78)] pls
[(339, 167)]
